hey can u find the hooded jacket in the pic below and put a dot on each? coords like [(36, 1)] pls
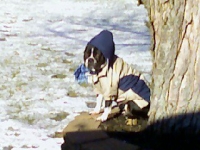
[(117, 78)]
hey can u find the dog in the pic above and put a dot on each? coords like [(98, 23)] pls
[(113, 79)]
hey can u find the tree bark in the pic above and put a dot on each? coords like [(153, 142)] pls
[(175, 88)]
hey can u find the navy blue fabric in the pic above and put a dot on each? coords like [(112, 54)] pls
[(136, 84), (104, 42), (128, 82), (80, 74)]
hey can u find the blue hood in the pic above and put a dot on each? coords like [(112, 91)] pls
[(104, 42)]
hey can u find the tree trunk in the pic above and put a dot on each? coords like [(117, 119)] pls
[(175, 88)]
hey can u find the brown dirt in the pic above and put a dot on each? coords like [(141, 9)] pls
[(118, 124)]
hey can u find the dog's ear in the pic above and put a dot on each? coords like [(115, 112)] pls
[(87, 52), (86, 49)]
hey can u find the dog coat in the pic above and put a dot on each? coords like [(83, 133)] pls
[(117, 78)]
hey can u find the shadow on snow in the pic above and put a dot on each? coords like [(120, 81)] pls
[(101, 24)]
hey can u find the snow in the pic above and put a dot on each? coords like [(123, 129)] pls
[(43, 38)]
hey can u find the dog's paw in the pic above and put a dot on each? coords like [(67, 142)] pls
[(103, 117)]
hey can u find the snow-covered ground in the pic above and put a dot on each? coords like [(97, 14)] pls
[(41, 44)]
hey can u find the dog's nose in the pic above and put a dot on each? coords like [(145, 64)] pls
[(90, 60)]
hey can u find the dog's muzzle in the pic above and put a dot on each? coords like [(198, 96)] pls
[(90, 61), (91, 64)]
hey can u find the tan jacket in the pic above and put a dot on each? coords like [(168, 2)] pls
[(121, 81)]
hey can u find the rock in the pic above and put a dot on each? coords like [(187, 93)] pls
[(86, 122), (82, 122), (83, 133)]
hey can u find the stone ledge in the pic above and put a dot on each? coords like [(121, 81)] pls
[(83, 133), (94, 140)]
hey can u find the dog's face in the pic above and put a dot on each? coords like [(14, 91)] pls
[(93, 58)]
